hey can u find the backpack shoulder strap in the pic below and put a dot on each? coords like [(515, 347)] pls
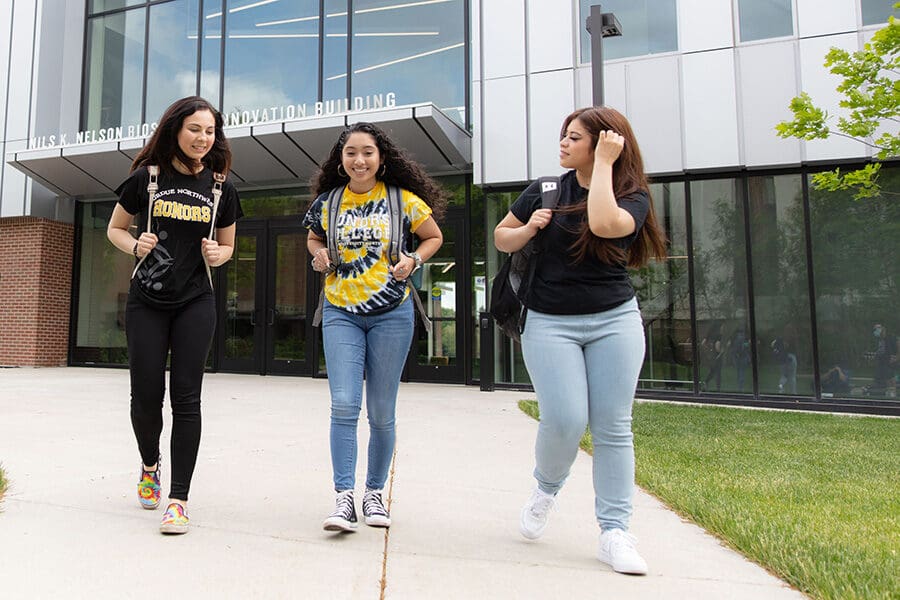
[(395, 210), (333, 206), (152, 188), (549, 191)]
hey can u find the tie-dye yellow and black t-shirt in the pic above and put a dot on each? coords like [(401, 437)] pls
[(361, 283)]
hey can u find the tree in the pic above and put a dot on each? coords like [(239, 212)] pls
[(871, 92)]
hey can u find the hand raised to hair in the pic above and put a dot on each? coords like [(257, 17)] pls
[(609, 147)]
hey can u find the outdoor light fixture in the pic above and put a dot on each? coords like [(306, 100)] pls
[(609, 27)]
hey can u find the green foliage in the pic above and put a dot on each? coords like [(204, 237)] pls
[(4, 483), (871, 94), (811, 497)]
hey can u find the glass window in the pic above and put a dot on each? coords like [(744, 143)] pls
[(271, 54), (103, 274), (663, 292), (275, 203), (211, 52), (648, 27), (720, 280), (780, 288), (334, 60), (414, 50), (97, 6), (876, 12), (115, 70), (854, 250), (172, 55), (761, 19)]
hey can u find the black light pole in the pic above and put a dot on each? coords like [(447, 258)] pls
[(600, 25)]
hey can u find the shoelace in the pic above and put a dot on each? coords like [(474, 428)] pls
[(373, 505), (541, 504), (344, 505)]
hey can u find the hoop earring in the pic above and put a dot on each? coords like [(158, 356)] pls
[(344, 174), (383, 170)]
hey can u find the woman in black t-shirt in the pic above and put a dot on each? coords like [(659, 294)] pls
[(583, 341), (170, 305)]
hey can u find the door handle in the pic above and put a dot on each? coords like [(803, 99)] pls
[(272, 313), (253, 318)]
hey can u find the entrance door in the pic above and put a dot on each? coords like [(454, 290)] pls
[(264, 326), (438, 355)]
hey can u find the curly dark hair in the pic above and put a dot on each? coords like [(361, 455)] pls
[(163, 146), (399, 169)]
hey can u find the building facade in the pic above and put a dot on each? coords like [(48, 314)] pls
[(772, 291)]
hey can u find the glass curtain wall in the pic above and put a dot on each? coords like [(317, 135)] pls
[(649, 27), (762, 19), (171, 55)]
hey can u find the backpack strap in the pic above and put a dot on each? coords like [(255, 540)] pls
[(395, 210), (333, 206), (152, 188), (218, 180)]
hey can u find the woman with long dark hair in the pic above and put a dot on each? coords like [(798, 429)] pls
[(186, 210), (367, 318), (583, 341)]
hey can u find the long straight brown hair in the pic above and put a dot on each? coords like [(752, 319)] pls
[(163, 146), (627, 177)]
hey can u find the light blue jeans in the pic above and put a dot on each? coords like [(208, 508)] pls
[(584, 369), (375, 346)]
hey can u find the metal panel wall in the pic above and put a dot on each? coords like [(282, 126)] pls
[(823, 17), (550, 36), (656, 124), (710, 110), (504, 131), (705, 25), (503, 38), (768, 81), (552, 97), (821, 86)]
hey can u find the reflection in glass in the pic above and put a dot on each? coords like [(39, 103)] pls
[(412, 49), (509, 366), (96, 6), (780, 288), (334, 59), (275, 203), (103, 277), (240, 301), (211, 52), (648, 27), (663, 292), (289, 314), (114, 71), (271, 54), (762, 20), (720, 279), (172, 60), (435, 283), (855, 248), (876, 12)]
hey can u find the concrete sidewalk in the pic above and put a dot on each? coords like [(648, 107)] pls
[(71, 526)]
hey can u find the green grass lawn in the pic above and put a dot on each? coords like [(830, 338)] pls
[(3, 484), (814, 498)]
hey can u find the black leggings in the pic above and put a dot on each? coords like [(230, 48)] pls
[(152, 332)]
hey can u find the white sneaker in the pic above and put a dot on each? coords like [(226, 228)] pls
[(535, 514), (618, 551)]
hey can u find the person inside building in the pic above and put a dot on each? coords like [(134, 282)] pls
[(367, 313), (583, 340), (186, 210)]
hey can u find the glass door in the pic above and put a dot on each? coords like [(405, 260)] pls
[(438, 354), (264, 325)]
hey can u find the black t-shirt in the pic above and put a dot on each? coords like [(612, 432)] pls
[(561, 286), (174, 272)]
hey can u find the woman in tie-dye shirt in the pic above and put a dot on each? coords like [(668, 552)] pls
[(367, 318)]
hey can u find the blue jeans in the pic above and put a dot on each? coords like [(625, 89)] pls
[(584, 369), (375, 346)]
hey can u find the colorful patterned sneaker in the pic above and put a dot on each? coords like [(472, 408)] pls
[(175, 519), (344, 516), (148, 488), (374, 510)]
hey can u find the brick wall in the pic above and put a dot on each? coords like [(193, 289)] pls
[(35, 286)]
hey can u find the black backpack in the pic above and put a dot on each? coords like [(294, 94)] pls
[(513, 280)]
